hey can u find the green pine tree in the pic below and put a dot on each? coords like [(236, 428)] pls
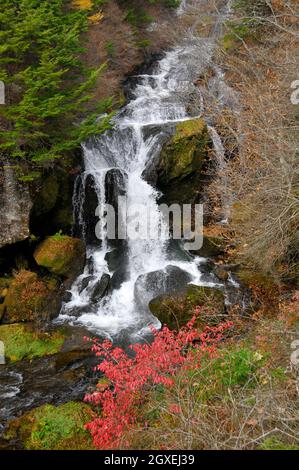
[(48, 90)]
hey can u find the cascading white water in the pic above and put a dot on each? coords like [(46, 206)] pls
[(160, 99)]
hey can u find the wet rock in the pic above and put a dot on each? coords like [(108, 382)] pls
[(90, 204), (100, 289), (120, 276), (222, 273), (115, 187), (85, 283), (177, 309), (116, 258), (150, 285), (74, 349), (161, 135), (61, 255)]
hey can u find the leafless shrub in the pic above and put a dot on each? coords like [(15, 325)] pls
[(261, 179)]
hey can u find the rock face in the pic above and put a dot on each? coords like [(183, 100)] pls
[(61, 255), (52, 202), (30, 298), (90, 205), (115, 187), (150, 285), (100, 289), (15, 206), (177, 309), (183, 157)]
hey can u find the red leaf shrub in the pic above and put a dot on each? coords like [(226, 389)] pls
[(146, 365)]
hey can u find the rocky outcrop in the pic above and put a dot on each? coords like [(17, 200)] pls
[(15, 206), (52, 194), (61, 255), (177, 309), (182, 161), (150, 285)]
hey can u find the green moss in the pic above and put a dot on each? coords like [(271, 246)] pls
[(60, 254), (22, 342), (273, 443), (233, 367), (177, 310), (193, 127), (54, 428), (186, 151)]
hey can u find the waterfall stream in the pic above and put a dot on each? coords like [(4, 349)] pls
[(158, 101), (111, 296)]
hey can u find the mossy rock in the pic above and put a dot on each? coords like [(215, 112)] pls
[(30, 298), (185, 153), (176, 310), (53, 428), (22, 341), (61, 255)]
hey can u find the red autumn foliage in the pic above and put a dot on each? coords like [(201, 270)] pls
[(146, 365)]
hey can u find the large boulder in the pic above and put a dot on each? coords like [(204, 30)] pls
[(30, 298), (150, 285), (182, 160), (61, 255), (15, 206), (177, 309), (25, 341)]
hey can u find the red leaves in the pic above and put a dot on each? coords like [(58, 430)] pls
[(147, 365)]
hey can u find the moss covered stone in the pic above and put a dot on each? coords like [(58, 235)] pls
[(176, 310), (22, 341), (29, 298), (61, 255), (185, 153), (53, 428)]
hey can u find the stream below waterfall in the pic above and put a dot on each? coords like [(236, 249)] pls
[(159, 98)]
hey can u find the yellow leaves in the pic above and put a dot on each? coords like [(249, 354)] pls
[(88, 5), (96, 18), (83, 4)]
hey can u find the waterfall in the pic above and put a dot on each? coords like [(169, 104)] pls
[(159, 100)]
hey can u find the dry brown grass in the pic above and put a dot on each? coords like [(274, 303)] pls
[(261, 180)]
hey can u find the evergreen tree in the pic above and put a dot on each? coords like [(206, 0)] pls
[(48, 91)]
